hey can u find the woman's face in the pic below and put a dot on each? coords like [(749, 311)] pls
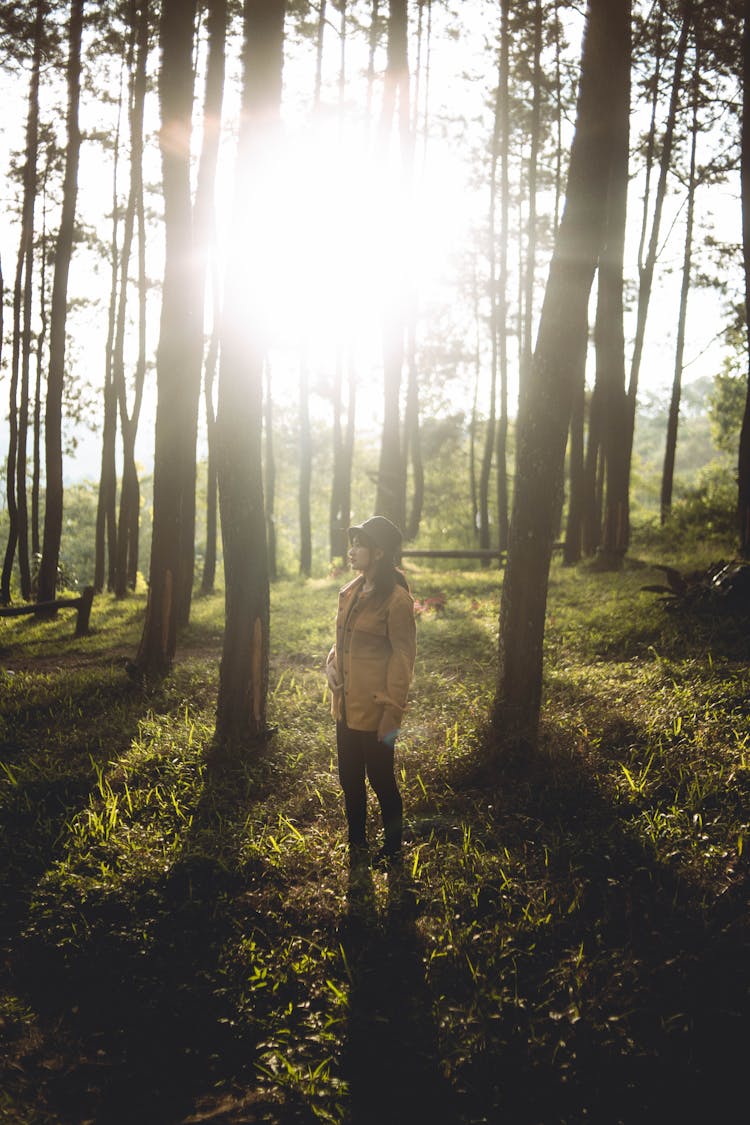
[(363, 558), (360, 556)]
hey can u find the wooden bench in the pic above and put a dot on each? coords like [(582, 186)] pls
[(82, 604), (470, 553)]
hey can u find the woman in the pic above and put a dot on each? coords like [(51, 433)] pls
[(369, 672)]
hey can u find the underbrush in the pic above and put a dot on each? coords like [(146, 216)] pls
[(183, 939)]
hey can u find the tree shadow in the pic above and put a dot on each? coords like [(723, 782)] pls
[(654, 1030), (141, 1022), (390, 1059)]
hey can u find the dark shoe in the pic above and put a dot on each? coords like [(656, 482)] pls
[(358, 855), (387, 858)]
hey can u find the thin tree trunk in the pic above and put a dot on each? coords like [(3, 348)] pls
[(558, 118), (243, 677), (490, 437), (591, 508), (646, 272), (412, 436), (53, 508), (670, 451), (743, 465), (574, 522), (305, 471), (29, 203), (105, 544), (202, 232), (319, 54), (531, 229), (270, 476), (609, 331), (500, 309), (546, 406), (12, 464), (40, 344), (391, 487), (372, 48), (212, 483), (129, 489), (176, 351)]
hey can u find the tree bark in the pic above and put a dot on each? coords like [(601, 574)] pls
[(176, 350), (545, 409), (270, 476), (609, 331), (305, 471), (500, 308), (670, 451), (36, 473), (574, 525), (105, 540), (646, 271), (743, 466), (202, 246), (53, 508), (490, 436), (128, 524), (391, 487), (29, 203), (243, 678)]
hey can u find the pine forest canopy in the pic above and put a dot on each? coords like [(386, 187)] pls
[(342, 216)]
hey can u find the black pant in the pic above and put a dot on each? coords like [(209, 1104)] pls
[(360, 753)]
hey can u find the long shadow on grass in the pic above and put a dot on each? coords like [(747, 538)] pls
[(650, 1026), (176, 1025), (135, 987), (49, 775), (390, 1058)]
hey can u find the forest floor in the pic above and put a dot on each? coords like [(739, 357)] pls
[(182, 939)]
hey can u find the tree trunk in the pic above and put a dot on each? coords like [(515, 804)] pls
[(646, 272), (337, 525), (270, 477), (29, 202), (105, 543), (305, 471), (609, 332), (53, 508), (743, 468), (474, 418), (319, 54), (576, 476), (12, 463), (203, 231), (670, 451), (212, 482), (554, 376), (490, 437), (500, 307), (243, 678), (40, 344), (391, 488), (18, 537), (127, 528), (412, 436), (534, 146), (176, 351)]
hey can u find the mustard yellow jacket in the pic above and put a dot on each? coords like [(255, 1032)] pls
[(371, 664)]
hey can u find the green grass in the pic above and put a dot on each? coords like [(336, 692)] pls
[(182, 938)]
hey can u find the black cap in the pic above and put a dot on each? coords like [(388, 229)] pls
[(381, 532)]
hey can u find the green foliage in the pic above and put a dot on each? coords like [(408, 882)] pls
[(726, 409)]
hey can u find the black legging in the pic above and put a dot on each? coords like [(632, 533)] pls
[(360, 753)]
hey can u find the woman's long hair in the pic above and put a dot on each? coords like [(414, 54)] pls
[(386, 575)]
